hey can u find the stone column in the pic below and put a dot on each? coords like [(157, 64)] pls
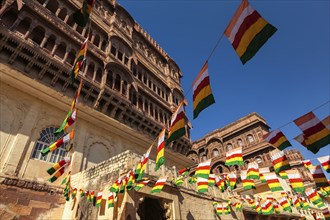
[(57, 42), (67, 51), (21, 142), (44, 40)]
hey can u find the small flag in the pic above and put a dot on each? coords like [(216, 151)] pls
[(234, 157), (202, 93), (285, 204), (144, 163), (131, 180), (159, 185), (315, 134), (307, 164), (277, 139), (110, 200), (57, 174), (283, 175), (56, 166), (202, 185), (82, 193), (325, 162), (248, 31), (61, 128), (203, 169), (184, 171), (58, 143), (98, 199), (160, 149), (76, 97), (179, 181), (296, 181), (273, 182), (67, 176), (80, 59), (261, 173), (232, 180), (141, 184), (279, 161), (252, 171), (267, 208), (247, 183), (318, 176), (81, 16), (211, 180), (115, 186), (177, 127)]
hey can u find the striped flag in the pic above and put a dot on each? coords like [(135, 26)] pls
[(160, 149), (247, 183), (110, 200), (58, 143), (141, 184), (57, 174), (123, 184), (81, 16), (267, 208), (98, 199), (177, 128), (248, 31), (76, 96), (232, 180), (131, 180), (159, 185), (315, 134), (202, 185), (56, 166), (82, 192), (277, 139), (261, 173), (202, 93), (296, 202), (273, 182), (296, 181), (326, 213), (68, 121), (253, 171), (307, 164), (285, 204), (211, 179), (318, 176), (303, 203), (219, 209), (279, 160), (283, 175), (91, 196), (144, 163), (115, 186), (325, 162), (179, 181), (80, 59), (234, 157), (203, 169)]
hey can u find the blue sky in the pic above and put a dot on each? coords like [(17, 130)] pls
[(287, 78)]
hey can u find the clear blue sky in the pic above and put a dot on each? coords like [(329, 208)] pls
[(287, 78)]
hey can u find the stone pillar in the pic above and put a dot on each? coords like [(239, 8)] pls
[(57, 42), (58, 11), (46, 2), (18, 20), (21, 141), (33, 24), (44, 40), (67, 51)]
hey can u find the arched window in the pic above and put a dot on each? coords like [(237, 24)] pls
[(229, 147), (259, 160), (215, 153), (204, 157), (250, 139), (240, 142), (47, 137)]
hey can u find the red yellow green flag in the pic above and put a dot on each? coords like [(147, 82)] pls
[(211, 180), (57, 174), (307, 164), (273, 182), (98, 199), (252, 171), (325, 162), (279, 160), (267, 208), (115, 186), (296, 181), (247, 183), (261, 173), (76, 97), (160, 149), (234, 157), (56, 166), (144, 163), (284, 204), (248, 31), (232, 180), (141, 184), (110, 200), (131, 180), (80, 59), (177, 127), (318, 176), (315, 134), (283, 175), (81, 16), (219, 209), (202, 185), (202, 93), (159, 185), (203, 169), (57, 144), (277, 139), (179, 181)]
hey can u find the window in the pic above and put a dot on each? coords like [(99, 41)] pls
[(229, 147), (215, 153), (204, 158), (47, 137), (250, 138), (240, 142)]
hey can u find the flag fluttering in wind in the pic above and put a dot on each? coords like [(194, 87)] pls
[(261, 173), (57, 174), (159, 185), (234, 157), (110, 200), (56, 166), (177, 127), (79, 61), (202, 185), (296, 181), (248, 31), (202, 93), (211, 180), (76, 97), (66, 178), (285, 204), (81, 16), (303, 203), (68, 121), (141, 184), (325, 162), (98, 199), (253, 171), (160, 149), (144, 164), (115, 186), (203, 169), (57, 144), (267, 208), (307, 164), (247, 183), (277, 139), (283, 175), (318, 176), (179, 181), (279, 161), (315, 134), (273, 182), (232, 180), (131, 180)]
